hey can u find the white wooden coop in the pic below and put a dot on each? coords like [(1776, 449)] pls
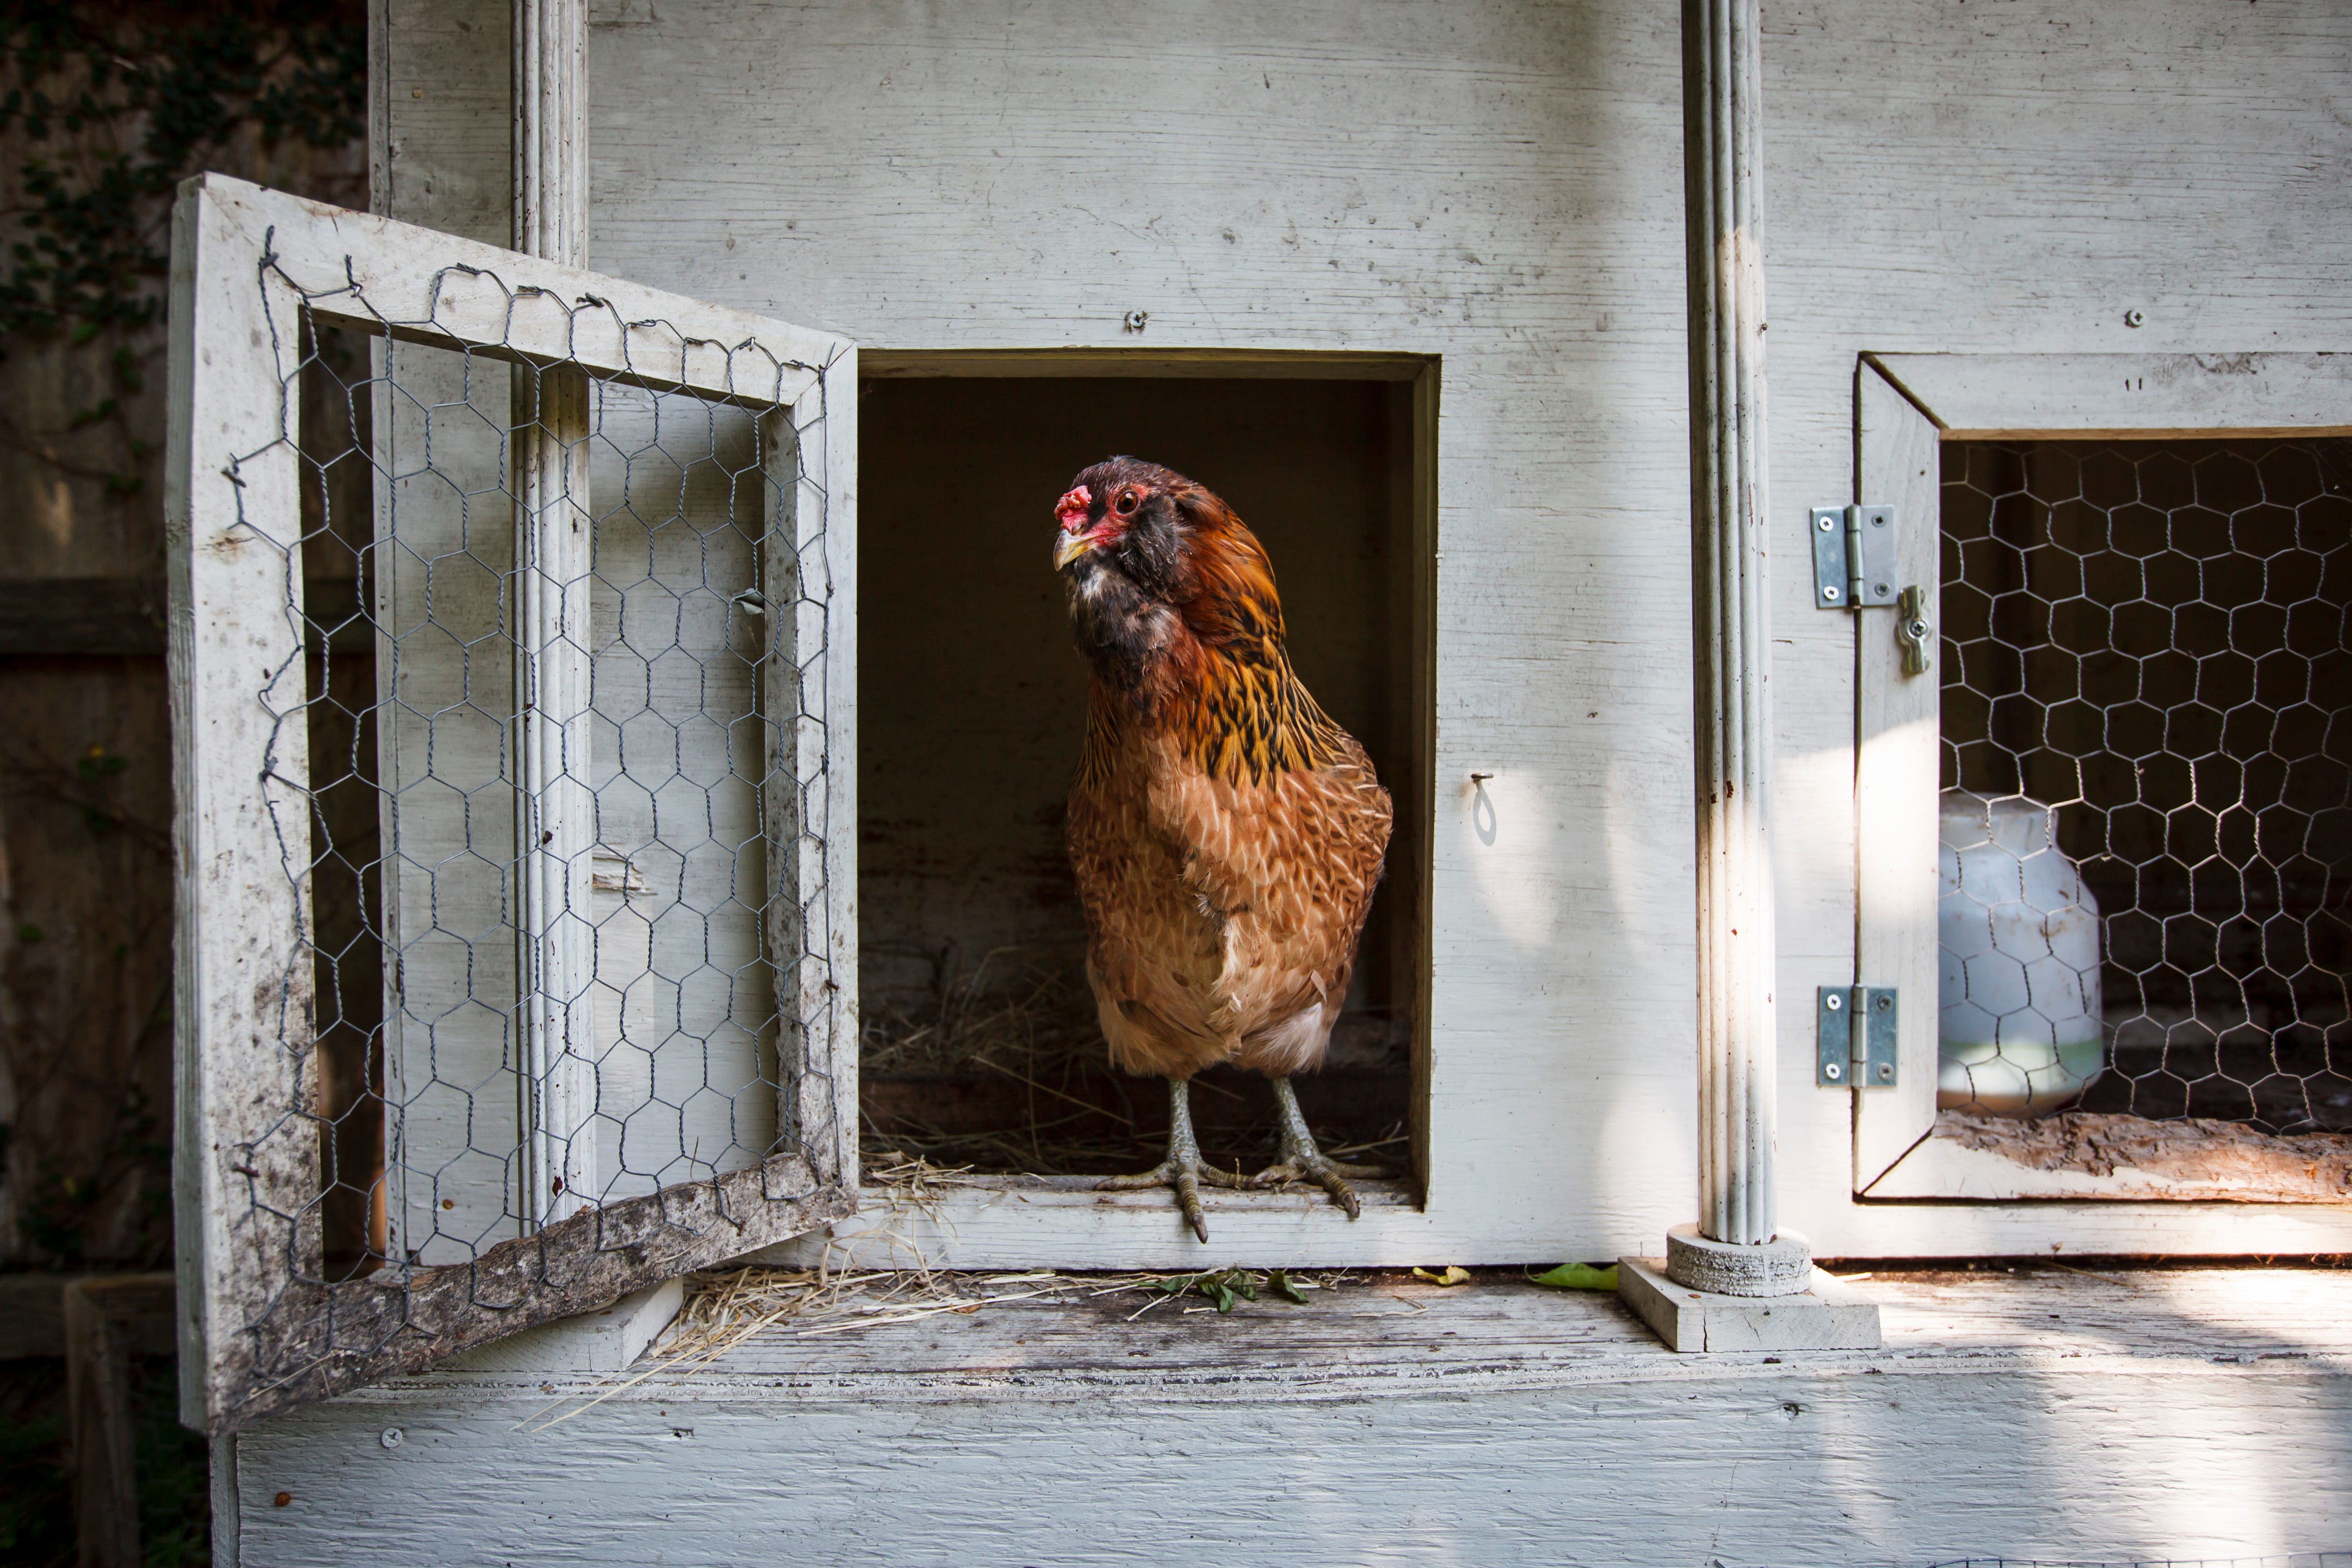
[(617, 664)]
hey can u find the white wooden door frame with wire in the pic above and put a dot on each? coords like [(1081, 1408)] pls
[(1907, 406), (255, 275)]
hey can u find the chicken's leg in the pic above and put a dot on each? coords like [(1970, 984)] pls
[(1302, 1161), (1184, 1169)]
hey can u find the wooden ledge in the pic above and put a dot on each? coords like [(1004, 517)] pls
[(1386, 1335), (1063, 1222)]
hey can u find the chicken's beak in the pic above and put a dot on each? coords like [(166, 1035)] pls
[(1069, 547)]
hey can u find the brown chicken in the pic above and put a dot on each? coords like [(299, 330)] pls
[(1226, 835)]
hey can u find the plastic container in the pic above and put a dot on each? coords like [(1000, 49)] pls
[(2017, 1003)]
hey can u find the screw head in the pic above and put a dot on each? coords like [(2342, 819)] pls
[(2134, 318), (1880, 589), (1886, 1070), (1885, 1003), (392, 1437), (1830, 594), (1833, 1001), (1134, 319), (1832, 1070), (1825, 522)]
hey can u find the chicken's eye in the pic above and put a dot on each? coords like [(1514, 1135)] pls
[(1128, 501)]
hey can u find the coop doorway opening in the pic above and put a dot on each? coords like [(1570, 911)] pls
[(980, 1048)]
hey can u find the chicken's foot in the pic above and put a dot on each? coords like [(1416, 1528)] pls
[(1184, 1169), (1303, 1161)]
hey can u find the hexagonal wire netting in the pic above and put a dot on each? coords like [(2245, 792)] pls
[(449, 1032), (2146, 815)]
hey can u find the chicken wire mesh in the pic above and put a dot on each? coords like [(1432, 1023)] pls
[(549, 777), (2147, 775)]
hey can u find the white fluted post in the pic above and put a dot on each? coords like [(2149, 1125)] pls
[(1734, 1235), (556, 824)]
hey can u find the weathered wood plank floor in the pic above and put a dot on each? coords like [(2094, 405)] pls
[(2181, 1415), (1391, 1329)]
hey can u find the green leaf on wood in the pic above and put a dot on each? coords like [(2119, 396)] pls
[(1579, 1276)]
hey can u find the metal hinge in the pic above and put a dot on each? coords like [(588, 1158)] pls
[(1914, 634), (1842, 1060), (1854, 557)]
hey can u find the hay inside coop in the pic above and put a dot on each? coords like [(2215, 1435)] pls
[(980, 1045)]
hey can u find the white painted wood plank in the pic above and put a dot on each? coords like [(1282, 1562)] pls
[(1898, 748), (604, 1341), (808, 696), (441, 143), (1861, 1471), (827, 498), (1389, 1332), (2208, 1412), (245, 1163), (1006, 1226), (2093, 1227), (2020, 396), (445, 671), (373, 274), (554, 645), (682, 988)]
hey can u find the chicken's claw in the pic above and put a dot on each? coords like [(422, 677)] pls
[(1185, 1176), (1303, 1162), (1184, 1169), (1329, 1174)]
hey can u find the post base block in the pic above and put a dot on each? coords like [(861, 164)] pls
[(1825, 1316)]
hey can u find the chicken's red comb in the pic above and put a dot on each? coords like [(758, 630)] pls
[(1072, 507)]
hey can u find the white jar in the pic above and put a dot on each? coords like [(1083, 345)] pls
[(2017, 1003)]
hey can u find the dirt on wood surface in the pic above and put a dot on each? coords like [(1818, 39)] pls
[(2311, 1166)]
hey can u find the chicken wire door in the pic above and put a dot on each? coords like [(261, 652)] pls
[(512, 670), (2104, 829)]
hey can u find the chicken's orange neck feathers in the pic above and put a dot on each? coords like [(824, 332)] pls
[(1220, 681)]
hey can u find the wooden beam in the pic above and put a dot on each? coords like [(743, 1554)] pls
[(32, 1317), (99, 1313), (1301, 364), (553, 421), (2124, 397), (123, 616), (82, 616)]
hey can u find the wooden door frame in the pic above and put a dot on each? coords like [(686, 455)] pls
[(1905, 406), (262, 1328)]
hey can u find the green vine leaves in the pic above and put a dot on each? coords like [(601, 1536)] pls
[(105, 109)]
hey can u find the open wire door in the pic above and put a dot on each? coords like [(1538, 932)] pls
[(512, 683)]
